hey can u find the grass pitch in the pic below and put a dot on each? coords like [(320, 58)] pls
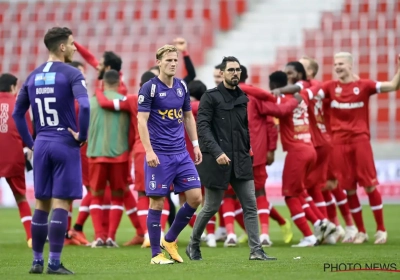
[(219, 263)]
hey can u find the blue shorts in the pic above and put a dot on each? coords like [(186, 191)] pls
[(177, 169), (57, 171)]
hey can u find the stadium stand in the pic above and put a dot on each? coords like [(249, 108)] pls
[(133, 29), (369, 30)]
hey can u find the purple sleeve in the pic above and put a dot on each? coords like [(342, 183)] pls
[(186, 104), (21, 107), (145, 98), (80, 93)]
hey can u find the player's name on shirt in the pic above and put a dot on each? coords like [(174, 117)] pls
[(46, 90), (352, 105)]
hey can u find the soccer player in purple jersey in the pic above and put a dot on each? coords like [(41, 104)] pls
[(51, 89), (164, 107)]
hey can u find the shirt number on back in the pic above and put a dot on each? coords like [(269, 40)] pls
[(50, 121)]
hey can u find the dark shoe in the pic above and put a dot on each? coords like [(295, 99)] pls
[(60, 271), (193, 252), (37, 267), (259, 255)]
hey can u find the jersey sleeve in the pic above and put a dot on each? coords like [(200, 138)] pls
[(145, 98), (78, 85), (115, 104), (324, 91), (372, 87), (186, 104)]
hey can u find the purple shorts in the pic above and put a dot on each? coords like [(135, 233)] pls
[(57, 171), (177, 169)]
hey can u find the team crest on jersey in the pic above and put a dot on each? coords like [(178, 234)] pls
[(152, 185), (356, 91), (179, 92), (140, 99)]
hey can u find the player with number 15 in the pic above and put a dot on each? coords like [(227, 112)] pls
[(51, 89)]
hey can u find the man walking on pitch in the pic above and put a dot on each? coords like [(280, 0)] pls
[(225, 141), (51, 89), (164, 107)]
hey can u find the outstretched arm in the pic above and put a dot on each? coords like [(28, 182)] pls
[(87, 55), (181, 45), (279, 110), (115, 104), (394, 84)]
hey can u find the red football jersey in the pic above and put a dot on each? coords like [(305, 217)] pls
[(12, 160), (349, 108), (294, 127), (316, 114)]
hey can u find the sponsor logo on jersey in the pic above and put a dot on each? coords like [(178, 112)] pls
[(43, 79)]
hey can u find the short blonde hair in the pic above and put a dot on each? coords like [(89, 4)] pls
[(346, 55), (313, 64), (165, 49)]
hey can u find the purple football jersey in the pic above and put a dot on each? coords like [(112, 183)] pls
[(50, 90), (166, 106)]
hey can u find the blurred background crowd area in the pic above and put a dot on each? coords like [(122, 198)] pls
[(263, 34)]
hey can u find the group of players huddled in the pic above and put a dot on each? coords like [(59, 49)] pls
[(323, 127)]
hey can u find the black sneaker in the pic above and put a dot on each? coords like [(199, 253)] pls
[(193, 252), (260, 255), (60, 271), (37, 267)]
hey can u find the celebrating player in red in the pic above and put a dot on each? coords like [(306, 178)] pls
[(352, 154), (12, 160)]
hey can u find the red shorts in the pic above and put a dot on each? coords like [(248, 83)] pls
[(298, 165), (139, 171), (318, 176), (129, 179), (17, 184), (260, 176), (355, 164), (115, 173), (332, 173), (85, 166)]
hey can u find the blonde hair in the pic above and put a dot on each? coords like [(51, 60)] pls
[(345, 55), (165, 49), (313, 64)]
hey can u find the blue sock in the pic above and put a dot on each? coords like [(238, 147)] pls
[(39, 229), (154, 230), (181, 220), (58, 226)]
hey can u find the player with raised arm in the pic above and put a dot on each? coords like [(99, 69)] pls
[(164, 107), (352, 151), (51, 89)]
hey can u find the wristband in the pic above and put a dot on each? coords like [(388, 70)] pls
[(195, 143)]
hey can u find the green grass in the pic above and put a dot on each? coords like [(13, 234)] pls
[(218, 263)]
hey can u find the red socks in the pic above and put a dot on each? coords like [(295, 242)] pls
[(309, 213), (193, 220), (210, 227), (96, 213), (106, 209), (131, 211), (375, 201), (356, 212), (69, 218), (26, 217), (228, 210), (341, 201), (298, 216), (239, 214), (164, 215), (143, 209), (116, 211), (84, 210), (263, 213)]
